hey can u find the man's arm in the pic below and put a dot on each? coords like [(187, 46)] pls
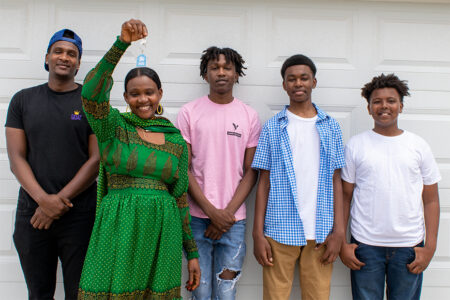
[(221, 218), (430, 198), (334, 239), (347, 253), (261, 247), (53, 206), (86, 175)]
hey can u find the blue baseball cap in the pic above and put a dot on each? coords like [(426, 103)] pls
[(59, 36)]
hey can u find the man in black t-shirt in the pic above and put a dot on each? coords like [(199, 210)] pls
[(54, 155)]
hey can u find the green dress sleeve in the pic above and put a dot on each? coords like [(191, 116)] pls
[(179, 189), (95, 94)]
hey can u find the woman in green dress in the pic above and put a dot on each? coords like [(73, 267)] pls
[(142, 221)]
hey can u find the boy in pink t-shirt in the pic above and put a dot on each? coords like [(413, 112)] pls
[(221, 133)]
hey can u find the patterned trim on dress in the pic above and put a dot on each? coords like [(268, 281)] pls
[(97, 110), (132, 137), (150, 164), (132, 160), (118, 182), (106, 151), (166, 172), (113, 55), (146, 294), (91, 74), (182, 201), (190, 246)]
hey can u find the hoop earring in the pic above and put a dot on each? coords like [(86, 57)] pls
[(159, 109)]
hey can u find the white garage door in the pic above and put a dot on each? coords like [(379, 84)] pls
[(350, 42)]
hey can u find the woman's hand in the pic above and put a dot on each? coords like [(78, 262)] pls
[(133, 30), (194, 274)]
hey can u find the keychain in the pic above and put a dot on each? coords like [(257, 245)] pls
[(141, 60)]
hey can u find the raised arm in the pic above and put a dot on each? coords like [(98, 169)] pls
[(98, 82)]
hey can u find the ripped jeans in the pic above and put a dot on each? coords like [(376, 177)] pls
[(215, 256)]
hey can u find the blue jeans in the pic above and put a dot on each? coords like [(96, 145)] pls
[(215, 256), (385, 263)]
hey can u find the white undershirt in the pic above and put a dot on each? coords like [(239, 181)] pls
[(305, 146)]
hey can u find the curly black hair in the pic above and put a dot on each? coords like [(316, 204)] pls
[(231, 55), (385, 81)]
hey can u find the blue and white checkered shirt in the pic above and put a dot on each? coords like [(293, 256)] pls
[(282, 222)]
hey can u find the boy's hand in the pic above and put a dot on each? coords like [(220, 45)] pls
[(348, 256), (213, 233), (222, 219), (332, 246), (262, 251), (133, 30), (422, 260)]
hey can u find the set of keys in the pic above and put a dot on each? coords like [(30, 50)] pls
[(141, 60)]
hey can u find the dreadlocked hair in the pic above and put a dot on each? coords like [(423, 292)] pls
[(385, 81), (231, 55)]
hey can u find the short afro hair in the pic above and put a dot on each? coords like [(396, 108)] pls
[(231, 55), (385, 81), (298, 59)]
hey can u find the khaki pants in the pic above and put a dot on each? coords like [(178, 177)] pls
[(315, 277)]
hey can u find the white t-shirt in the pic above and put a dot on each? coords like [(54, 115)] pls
[(305, 147), (389, 174)]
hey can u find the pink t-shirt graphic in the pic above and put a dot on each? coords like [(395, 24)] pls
[(219, 134)]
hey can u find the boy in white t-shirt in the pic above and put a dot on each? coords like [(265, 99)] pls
[(392, 177), (222, 134)]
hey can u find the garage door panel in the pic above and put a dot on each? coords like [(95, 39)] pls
[(443, 250), (182, 26), (444, 198), (423, 125), (444, 168), (433, 102), (325, 36), (6, 228), (419, 36), (435, 278), (15, 42), (9, 188)]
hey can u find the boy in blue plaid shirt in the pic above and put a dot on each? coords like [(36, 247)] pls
[(298, 213)]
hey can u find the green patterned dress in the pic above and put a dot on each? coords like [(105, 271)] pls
[(142, 221)]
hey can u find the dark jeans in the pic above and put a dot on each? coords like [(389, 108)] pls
[(385, 263), (39, 250)]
